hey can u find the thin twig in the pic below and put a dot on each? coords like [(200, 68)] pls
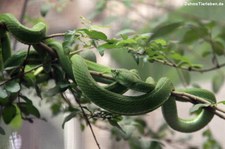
[(48, 49), (99, 74), (55, 35), (190, 68), (85, 117), (66, 100), (25, 62), (190, 97)]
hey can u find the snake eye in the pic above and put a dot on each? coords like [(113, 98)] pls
[(115, 71)]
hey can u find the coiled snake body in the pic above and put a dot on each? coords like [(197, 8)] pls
[(109, 98)]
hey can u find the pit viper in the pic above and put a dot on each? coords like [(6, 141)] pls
[(109, 97)]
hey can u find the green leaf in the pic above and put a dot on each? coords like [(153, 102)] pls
[(210, 142), (93, 34), (28, 109), (69, 117), (101, 5), (69, 40), (186, 76), (115, 124), (218, 47), (45, 8), (29, 79), (126, 42), (56, 108), (26, 99), (221, 102), (38, 90), (2, 131), (109, 45), (12, 86), (140, 124), (8, 113), (125, 31), (52, 91), (165, 29), (3, 93), (155, 145), (17, 121), (217, 81), (195, 33), (198, 107)]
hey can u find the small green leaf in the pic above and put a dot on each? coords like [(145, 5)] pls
[(115, 124), (3, 93), (195, 33), (218, 47), (12, 86), (45, 8), (125, 31), (93, 34), (2, 131), (210, 142), (69, 117), (217, 81), (198, 107), (52, 91), (221, 102), (26, 99), (186, 76), (38, 90), (8, 113), (17, 121), (126, 42), (28, 109), (69, 40), (29, 79), (56, 108)]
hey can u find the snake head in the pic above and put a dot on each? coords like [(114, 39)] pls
[(115, 72)]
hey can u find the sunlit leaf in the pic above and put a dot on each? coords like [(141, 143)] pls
[(221, 102), (93, 34), (17, 121)]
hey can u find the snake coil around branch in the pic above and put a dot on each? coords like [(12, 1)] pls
[(109, 97)]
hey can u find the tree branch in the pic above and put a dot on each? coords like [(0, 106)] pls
[(190, 68), (192, 98)]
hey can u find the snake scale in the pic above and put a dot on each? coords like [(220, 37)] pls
[(108, 97)]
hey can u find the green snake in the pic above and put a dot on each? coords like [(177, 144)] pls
[(109, 97)]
